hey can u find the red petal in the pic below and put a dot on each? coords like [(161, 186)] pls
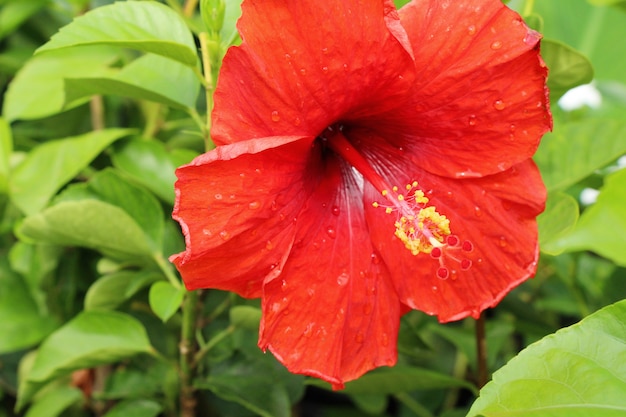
[(304, 65), (332, 312), (480, 94), (236, 206), (496, 214)]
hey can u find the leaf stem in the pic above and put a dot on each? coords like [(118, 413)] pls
[(417, 408), (165, 267), (481, 352), (528, 7), (189, 7), (212, 343), (187, 348), (208, 84)]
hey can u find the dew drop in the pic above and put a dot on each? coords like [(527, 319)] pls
[(207, 232), (375, 259), (454, 275), (218, 196), (254, 205), (496, 45), (499, 105), (335, 210), (502, 242), (434, 288), (332, 233), (308, 330), (274, 205), (342, 279), (287, 57), (345, 66), (297, 121), (472, 120), (269, 245), (324, 50), (384, 339), (471, 30), (324, 70), (283, 285), (224, 235), (311, 291), (275, 116), (477, 211)]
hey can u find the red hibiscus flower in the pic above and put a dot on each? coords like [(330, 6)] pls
[(369, 161)]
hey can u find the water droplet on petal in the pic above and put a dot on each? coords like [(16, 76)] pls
[(287, 57), (218, 196), (471, 29), (375, 259), (384, 339), (502, 242), (283, 285), (342, 279), (302, 71), (477, 211), (335, 210), (324, 70), (254, 205), (332, 233), (324, 50), (275, 116), (496, 45), (269, 245), (224, 235), (308, 330), (297, 121), (499, 105), (472, 120)]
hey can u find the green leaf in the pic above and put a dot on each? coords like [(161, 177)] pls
[(51, 165), (165, 299), (137, 202), (602, 227), (397, 379), (245, 317), (149, 163), (568, 67), (146, 26), (577, 149), (55, 401), (579, 371), (560, 215), (92, 224), (150, 77), (90, 339), (370, 403), (135, 408), (14, 13), (258, 383), (38, 91), (6, 149), (22, 324), (108, 292)]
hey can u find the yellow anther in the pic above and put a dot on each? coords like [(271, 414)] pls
[(388, 210), (414, 184), (375, 204), (394, 189), (400, 197), (420, 198), (384, 193)]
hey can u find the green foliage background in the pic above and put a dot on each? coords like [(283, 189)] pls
[(93, 123)]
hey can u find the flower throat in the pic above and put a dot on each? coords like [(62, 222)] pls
[(419, 226)]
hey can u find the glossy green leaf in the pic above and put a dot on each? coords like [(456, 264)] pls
[(135, 408), (165, 299), (258, 383), (92, 224), (397, 379), (232, 13), (54, 402), (560, 215), (108, 292), (245, 317), (90, 339), (568, 67), (38, 88), (51, 165), (14, 13), (150, 77), (146, 26), (579, 371), (602, 227), (6, 149), (575, 150), (607, 2), (136, 201), (150, 164), (22, 324)]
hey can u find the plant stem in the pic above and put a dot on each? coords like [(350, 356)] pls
[(187, 350), (212, 343), (481, 352), (96, 107), (417, 408), (189, 7), (166, 269)]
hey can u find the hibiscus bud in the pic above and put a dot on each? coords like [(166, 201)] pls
[(212, 12)]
